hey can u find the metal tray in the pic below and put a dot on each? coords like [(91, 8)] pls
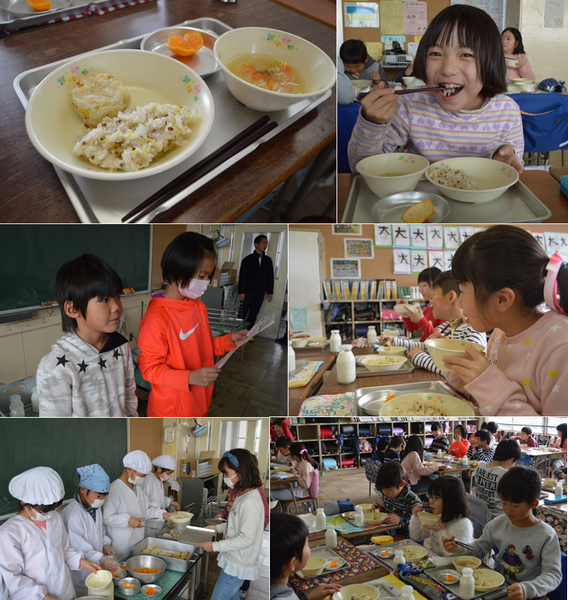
[(99, 201), (312, 349), (328, 554), (388, 562), (362, 371), (161, 533), (455, 589), (174, 564), (517, 205), (369, 400), (300, 364)]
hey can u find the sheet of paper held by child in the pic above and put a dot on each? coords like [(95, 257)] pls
[(259, 326)]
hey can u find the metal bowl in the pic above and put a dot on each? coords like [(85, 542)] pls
[(390, 208), (146, 562), (371, 403), (129, 591), (157, 590)]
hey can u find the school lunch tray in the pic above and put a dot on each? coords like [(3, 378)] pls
[(362, 371), (328, 554), (389, 562), (517, 205), (100, 201), (369, 400)]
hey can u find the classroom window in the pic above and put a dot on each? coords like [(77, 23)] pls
[(545, 426), (234, 434)]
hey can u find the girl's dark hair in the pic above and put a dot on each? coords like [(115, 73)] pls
[(475, 30), (247, 469), (81, 279), (44, 507), (413, 444), (428, 275), (505, 256), (507, 449), (520, 484), (184, 255), (562, 429), (288, 535), (462, 431), (454, 500), (298, 449), (519, 48), (353, 52), (396, 441), (390, 474)]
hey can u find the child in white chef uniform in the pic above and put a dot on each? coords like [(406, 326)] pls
[(35, 554), (85, 525), (162, 467), (127, 504)]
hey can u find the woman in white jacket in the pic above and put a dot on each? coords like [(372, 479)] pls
[(240, 548), (84, 523), (448, 500)]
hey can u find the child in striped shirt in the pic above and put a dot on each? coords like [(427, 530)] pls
[(479, 446), (440, 441), (461, 51)]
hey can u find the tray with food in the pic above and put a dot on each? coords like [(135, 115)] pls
[(176, 131), (170, 533), (488, 583), (517, 205), (324, 560), (370, 365), (385, 554), (175, 554)]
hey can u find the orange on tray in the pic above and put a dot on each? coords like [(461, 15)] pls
[(40, 5), (127, 585), (150, 592), (147, 571), (187, 45)]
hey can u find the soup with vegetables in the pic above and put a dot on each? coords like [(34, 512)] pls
[(267, 73)]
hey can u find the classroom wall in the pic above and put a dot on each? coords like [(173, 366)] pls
[(146, 435)]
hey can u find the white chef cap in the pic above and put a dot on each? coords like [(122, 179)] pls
[(165, 461), (40, 485), (139, 461)]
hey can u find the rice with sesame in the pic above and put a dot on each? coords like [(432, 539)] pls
[(132, 139), (453, 178)]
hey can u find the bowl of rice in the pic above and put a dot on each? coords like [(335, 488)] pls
[(164, 113), (440, 347), (487, 580), (387, 174), (379, 362), (426, 404), (472, 179)]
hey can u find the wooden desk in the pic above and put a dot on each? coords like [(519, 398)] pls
[(562, 506), (542, 184), (320, 11), (297, 395), (31, 190), (285, 483)]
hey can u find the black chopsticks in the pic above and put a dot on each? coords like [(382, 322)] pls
[(242, 140), (403, 92)]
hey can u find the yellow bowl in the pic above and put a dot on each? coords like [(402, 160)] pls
[(427, 518), (314, 567), (374, 519), (440, 347), (391, 350), (381, 540), (379, 362), (493, 178), (461, 562), (414, 553), (487, 580), (387, 174)]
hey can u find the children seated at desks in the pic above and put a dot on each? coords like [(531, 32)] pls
[(504, 277), (461, 52), (447, 499), (289, 553), (283, 457), (35, 554), (304, 470), (528, 551), (560, 443), (492, 428), (89, 371), (423, 319), (445, 304), (487, 474), (440, 441), (460, 445), (178, 350), (85, 525), (479, 448), (358, 64), (527, 438), (398, 500), (512, 42), (395, 447), (412, 461)]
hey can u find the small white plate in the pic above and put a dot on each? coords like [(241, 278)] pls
[(390, 208)]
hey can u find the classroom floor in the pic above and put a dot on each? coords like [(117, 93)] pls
[(341, 484)]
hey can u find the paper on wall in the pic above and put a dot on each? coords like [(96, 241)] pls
[(257, 328), (415, 21), (392, 18)]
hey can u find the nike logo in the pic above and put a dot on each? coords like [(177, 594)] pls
[(184, 336)]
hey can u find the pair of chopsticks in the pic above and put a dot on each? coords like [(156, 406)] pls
[(241, 141), (463, 545), (407, 91)]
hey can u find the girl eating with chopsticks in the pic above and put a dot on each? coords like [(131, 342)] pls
[(461, 57)]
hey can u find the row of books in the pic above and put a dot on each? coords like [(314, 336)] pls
[(367, 289)]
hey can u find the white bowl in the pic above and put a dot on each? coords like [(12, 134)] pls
[(371, 518), (518, 80), (392, 350), (493, 178), (402, 310), (426, 404), (314, 566), (461, 562), (182, 518), (527, 86), (299, 342), (382, 363), (427, 518), (408, 168), (285, 468), (487, 580), (52, 122), (408, 80), (348, 591), (309, 61), (413, 553), (440, 347), (511, 62)]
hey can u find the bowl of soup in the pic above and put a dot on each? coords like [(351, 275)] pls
[(461, 562), (387, 174), (440, 347), (268, 69)]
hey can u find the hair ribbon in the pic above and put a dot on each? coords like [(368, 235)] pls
[(550, 284), (232, 458), (303, 451)]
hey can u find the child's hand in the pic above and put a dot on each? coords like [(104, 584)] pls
[(239, 336), (438, 527), (437, 335), (376, 78), (207, 546), (507, 155), (204, 377), (87, 565), (521, 61), (469, 368), (323, 590), (418, 509), (412, 353), (449, 544), (516, 591), (416, 313), (385, 340), (135, 523), (392, 519), (379, 104)]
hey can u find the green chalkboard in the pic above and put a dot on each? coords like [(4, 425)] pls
[(30, 256), (63, 445)]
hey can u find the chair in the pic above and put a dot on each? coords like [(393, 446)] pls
[(560, 592), (346, 118), (480, 514), (372, 466), (313, 497)]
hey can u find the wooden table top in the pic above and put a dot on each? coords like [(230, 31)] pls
[(297, 395), (545, 187), (321, 11), (563, 506), (31, 190)]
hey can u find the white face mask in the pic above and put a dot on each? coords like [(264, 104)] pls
[(40, 516), (229, 481), (195, 289), (137, 480), (97, 503), (164, 477)]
